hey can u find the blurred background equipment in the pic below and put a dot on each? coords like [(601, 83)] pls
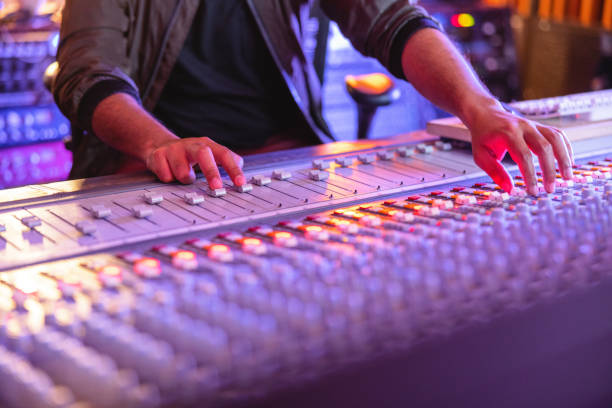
[(32, 129)]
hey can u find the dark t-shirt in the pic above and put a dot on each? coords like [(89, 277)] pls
[(225, 84)]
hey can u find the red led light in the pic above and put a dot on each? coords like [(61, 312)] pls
[(147, 267)]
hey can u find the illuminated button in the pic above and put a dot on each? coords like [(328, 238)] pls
[(366, 158), (253, 246), (184, 260), (220, 253), (142, 211), (314, 232), (425, 148), (345, 161), (284, 238), (261, 180), (385, 155), (101, 211), (166, 250), (86, 227), (405, 151), (147, 267), (153, 198), (320, 164), (444, 146), (281, 175), (370, 221), (217, 192), (463, 199), (345, 226), (245, 188), (193, 198), (317, 175), (442, 204), (110, 275), (403, 217)]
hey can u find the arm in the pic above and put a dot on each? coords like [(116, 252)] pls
[(122, 123), (93, 90), (434, 66)]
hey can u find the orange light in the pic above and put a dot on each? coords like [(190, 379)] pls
[(184, 255), (110, 270), (218, 248), (282, 235), (463, 20), (147, 267), (251, 241), (313, 228), (372, 84)]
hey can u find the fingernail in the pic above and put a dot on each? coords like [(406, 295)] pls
[(550, 187), (239, 180), (533, 189), (567, 173), (216, 183)]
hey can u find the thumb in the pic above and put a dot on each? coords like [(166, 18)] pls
[(487, 161)]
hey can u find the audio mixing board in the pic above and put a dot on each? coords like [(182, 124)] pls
[(123, 291)]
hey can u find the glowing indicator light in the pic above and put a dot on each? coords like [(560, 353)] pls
[(110, 275), (184, 260), (220, 253), (463, 20), (147, 267), (284, 238), (313, 228), (253, 246), (110, 270)]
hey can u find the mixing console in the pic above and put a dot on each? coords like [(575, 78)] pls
[(143, 294)]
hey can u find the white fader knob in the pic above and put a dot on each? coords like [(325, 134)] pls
[(101, 211), (366, 158), (281, 175), (245, 188), (86, 227), (261, 180), (193, 198), (153, 198), (317, 175), (142, 211)]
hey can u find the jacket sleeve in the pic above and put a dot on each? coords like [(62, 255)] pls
[(92, 56), (379, 28)]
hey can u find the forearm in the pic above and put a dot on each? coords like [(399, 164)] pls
[(438, 71), (123, 124)]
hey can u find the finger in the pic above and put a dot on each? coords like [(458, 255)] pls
[(158, 164), (231, 162), (520, 153), (179, 165), (201, 154), (568, 144), (487, 160), (560, 150), (544, 150)]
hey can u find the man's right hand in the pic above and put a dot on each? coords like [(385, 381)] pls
[(176, 158), (121, 122)]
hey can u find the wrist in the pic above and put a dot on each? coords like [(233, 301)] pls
[(476, 108)]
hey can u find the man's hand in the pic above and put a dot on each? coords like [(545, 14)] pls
[(496, 131), (122, 123), (435, 67), (175, 160)]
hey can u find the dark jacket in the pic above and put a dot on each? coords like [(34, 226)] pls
[(131, 46)]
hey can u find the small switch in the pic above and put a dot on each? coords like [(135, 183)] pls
[(317, 175), (142, 211), (86, 227), (385, 155), (320, 164), (193, 198), (405, 151), (345, 161), (425, 148), (281, 175), (366, 158), (101, 211), (260, 180), (153, 198), (218, 192), (245, 188), (31, 222)]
